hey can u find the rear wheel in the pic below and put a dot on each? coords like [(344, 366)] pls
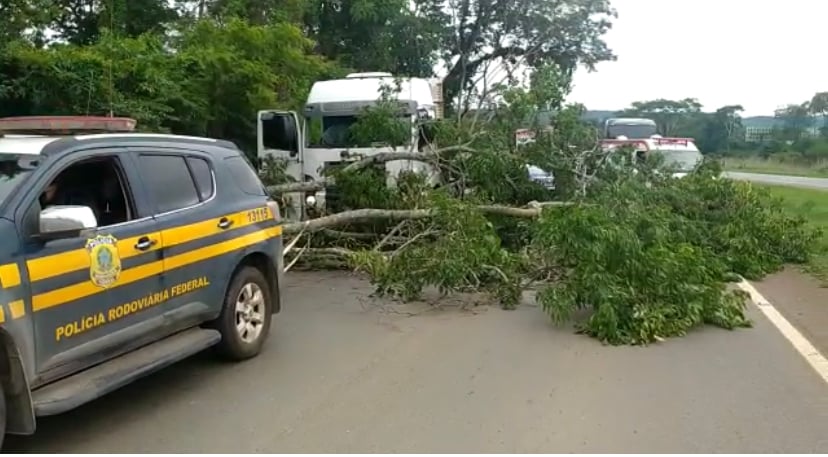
[(244, 322)]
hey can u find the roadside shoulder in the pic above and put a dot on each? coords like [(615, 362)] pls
[(802, 301)]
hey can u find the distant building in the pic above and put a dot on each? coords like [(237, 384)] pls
[(759, 129), (758, 134)]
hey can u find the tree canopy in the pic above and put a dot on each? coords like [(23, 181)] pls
[(317, 37)]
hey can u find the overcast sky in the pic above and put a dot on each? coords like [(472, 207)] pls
[(761, 54)]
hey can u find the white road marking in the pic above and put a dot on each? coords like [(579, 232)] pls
[(814, 358)]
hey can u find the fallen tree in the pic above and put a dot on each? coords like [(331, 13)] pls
[(647, 255), (371, 214)]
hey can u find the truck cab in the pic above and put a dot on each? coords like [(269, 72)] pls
[(319, 138)]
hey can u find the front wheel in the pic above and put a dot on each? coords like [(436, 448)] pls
[(244, 322)]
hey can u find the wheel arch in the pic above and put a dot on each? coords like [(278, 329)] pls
[(264, 264), (20, 417)]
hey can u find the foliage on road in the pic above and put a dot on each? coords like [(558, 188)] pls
[(646, 256)]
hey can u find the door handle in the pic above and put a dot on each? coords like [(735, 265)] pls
[(145, 243), (224, 223)]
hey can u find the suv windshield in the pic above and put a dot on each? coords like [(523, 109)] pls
[(14, 169), (681, 160)]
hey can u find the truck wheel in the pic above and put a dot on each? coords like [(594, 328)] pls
[(244, 322)]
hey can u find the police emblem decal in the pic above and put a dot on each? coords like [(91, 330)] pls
[(104, 260)]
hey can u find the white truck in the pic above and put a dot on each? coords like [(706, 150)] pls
[(320, 138)]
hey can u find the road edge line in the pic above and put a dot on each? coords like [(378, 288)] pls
[(811, 354)]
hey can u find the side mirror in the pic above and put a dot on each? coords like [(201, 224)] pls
[(66, 221), (279, 131), (291, 134)]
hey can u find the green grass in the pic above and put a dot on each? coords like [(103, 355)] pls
[(775, 167), (812, 205)]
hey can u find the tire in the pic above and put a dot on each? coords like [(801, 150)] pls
[(245, 327)]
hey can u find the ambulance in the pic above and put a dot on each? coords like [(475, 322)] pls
[(679, 154)]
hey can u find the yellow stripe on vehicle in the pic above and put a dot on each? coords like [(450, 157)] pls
[(85, 289), (187, 233), (215, 250), (9, 275), (17, 309), (78, 259)]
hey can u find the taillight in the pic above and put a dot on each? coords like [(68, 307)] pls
[(274, 210)]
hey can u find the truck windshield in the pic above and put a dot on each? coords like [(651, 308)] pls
[(681, 160), (631, 131), (14, 169), (338, 132)]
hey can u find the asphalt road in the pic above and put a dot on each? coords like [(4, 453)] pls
[(343, 373), (781, 180)]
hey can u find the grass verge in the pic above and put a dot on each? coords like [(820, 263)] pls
[(812, 205), (775, 167)]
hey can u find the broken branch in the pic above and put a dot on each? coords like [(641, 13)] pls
[(367, 214), (319, 184)]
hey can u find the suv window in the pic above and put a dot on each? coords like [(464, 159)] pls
[(168, 179), (97, 183), (202, 175), (245, 176)]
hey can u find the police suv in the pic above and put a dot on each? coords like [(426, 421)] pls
[(121, 253)]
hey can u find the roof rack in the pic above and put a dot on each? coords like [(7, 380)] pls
[(64, 125)]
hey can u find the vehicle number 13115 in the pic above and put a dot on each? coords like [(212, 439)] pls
[(259, 215)]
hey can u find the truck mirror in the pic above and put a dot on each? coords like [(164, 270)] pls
[(291, 136), (279, 132)]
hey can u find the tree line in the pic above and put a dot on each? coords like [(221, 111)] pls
[(204, 67), (794, 129)]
